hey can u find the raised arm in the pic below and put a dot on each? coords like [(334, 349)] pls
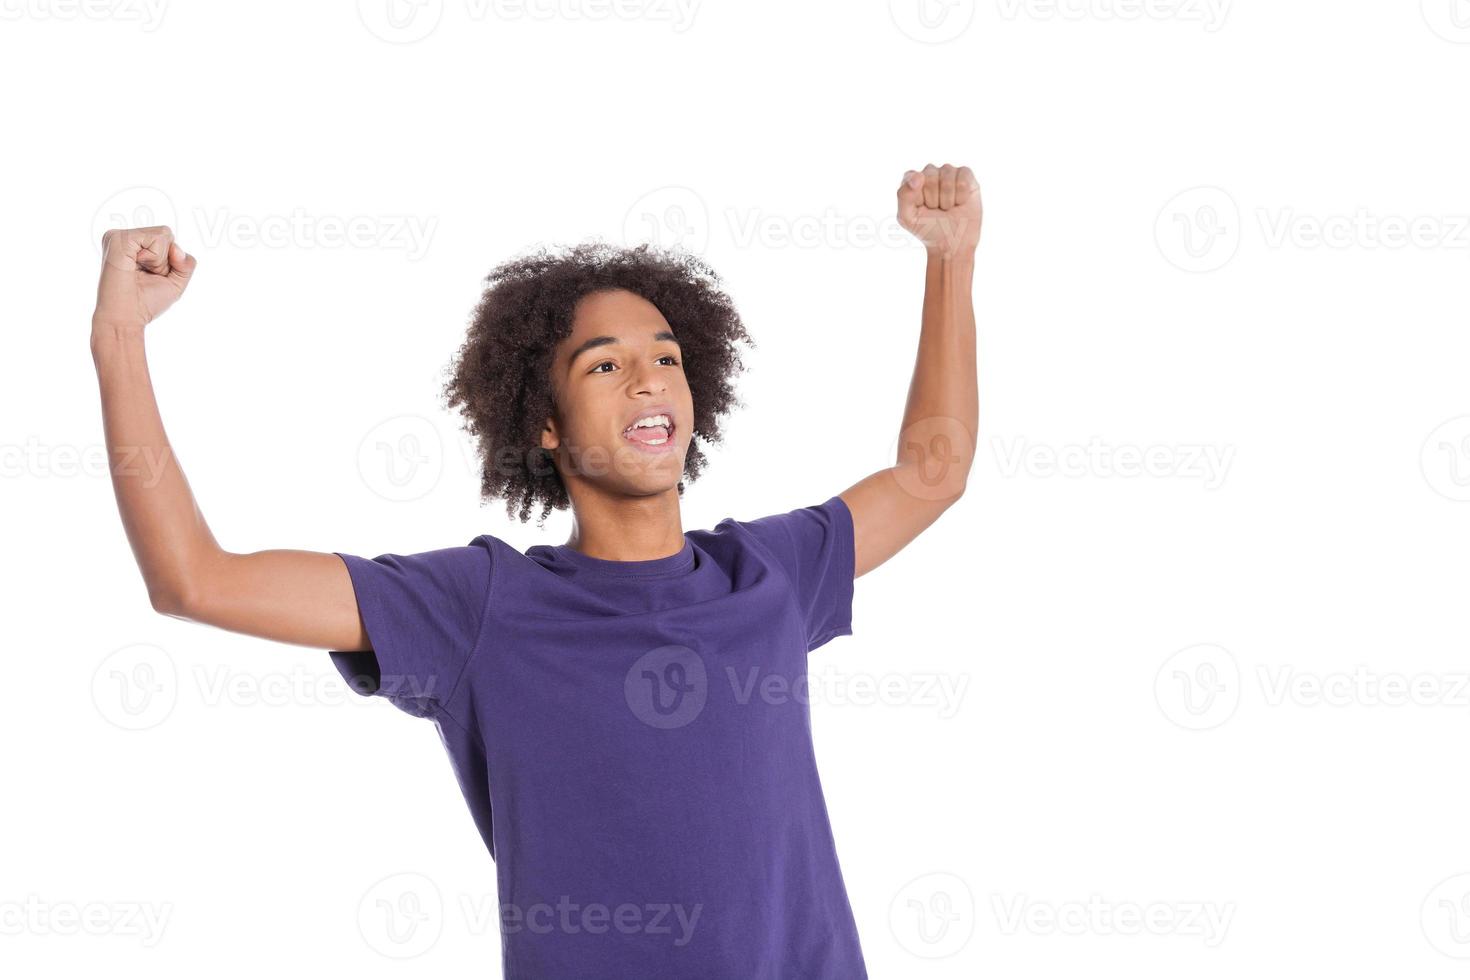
[(936, 446), (299, 597)]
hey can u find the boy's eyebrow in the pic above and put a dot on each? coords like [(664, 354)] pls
[(592, 342)]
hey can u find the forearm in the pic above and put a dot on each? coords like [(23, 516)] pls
[(168, 534), (936, 444), (941, 416)]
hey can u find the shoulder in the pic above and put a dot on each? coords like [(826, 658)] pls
[(786, 535), (478, 555), (465, 571), (831, 513)]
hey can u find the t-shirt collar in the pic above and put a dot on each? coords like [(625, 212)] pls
[(680, 561)]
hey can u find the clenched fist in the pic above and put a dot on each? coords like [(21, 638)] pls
[(941, 207), (143, 271)]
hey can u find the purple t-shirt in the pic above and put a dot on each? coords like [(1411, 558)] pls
[(634, 742)]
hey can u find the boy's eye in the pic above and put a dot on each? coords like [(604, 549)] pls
[(598, 368)]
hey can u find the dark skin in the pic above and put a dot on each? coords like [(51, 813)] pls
[(620, 359), (625, 503)]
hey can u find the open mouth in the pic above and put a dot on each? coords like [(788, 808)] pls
[(652, 431)]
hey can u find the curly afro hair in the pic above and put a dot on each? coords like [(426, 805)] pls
[(500, 379)]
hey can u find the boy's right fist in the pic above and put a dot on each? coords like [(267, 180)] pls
[(143, 271)]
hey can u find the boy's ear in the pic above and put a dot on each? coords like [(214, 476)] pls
[(550, 438)]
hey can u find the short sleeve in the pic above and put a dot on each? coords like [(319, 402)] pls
[(423, 614), (814, 547)]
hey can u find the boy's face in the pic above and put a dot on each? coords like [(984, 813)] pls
[(620, 364)]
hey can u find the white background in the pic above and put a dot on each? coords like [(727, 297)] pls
[(1229, 698)]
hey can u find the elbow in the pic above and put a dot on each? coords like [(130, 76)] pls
[(171, 599), (181, 589), (960, 479)]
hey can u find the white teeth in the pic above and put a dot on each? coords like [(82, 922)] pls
[(649, 420)]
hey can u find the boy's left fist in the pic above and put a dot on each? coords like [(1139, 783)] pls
[(941, 207)]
